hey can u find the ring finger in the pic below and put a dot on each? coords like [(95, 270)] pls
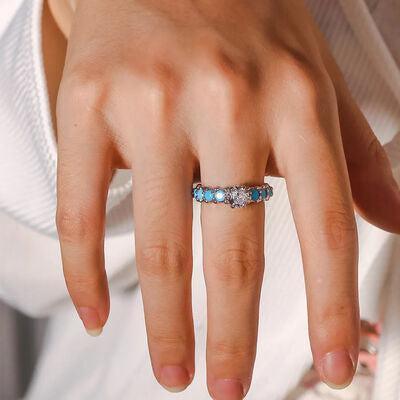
[(233, 243)]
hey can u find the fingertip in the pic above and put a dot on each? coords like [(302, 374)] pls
[(94, 332), (91, 320), (175, 378), (227, 389), (337, 369)]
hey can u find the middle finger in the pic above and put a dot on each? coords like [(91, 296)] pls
[(162, 169)]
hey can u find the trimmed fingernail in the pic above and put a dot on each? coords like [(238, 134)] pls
[(94, 332), (174, 378), (337, 369), (227, 389), (91, 320)]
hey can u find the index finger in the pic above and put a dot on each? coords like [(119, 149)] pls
[(321, 202), (83, 176)]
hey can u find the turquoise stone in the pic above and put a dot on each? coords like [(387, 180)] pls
[(199, 194), (271, 191), (219, 196), (264, 194), (254, 194), (208, 195)]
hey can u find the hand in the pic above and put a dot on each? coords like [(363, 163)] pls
[(226, 93)]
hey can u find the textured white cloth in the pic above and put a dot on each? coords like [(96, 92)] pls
[(117, 365)]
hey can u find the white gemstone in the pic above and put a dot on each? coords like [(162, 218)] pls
[(239, 197), (219, 195)]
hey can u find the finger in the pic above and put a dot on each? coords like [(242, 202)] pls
[(375, 191), (233, 243), (162, 182), (320, 197), (83, 176)]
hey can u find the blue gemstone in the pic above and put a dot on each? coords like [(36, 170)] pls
[(264, 194), (208, 195), (220, 195), (254, 194), (199, 194)]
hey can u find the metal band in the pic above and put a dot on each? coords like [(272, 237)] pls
[(235, 196)]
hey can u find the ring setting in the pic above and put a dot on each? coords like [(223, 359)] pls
[(235, 196)]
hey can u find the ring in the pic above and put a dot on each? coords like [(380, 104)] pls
[(235, 196)]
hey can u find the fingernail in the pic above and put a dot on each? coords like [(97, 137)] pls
[(337, 369), (94, 332), (227, 389), (174, 378), (91, 320)]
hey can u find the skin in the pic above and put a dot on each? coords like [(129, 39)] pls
[(191, 93)]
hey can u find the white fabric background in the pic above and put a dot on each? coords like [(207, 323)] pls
[(116, 365)]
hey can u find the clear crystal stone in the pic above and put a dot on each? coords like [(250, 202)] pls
[(239, 197)]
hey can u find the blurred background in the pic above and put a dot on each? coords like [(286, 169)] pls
[(20, 342)]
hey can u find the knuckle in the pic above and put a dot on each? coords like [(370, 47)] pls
[(164, 261), (166, 78), (158, 96), (80, 283), (217, 84), (339, 230), (239, 267), (81, 91), (375, 151), (167, 342), (305, 79), (372, 151), (236, 73), (159, 88), (227, 73), (225, 351), (75, 225)]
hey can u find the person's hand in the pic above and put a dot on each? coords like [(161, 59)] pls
[(223, 92)]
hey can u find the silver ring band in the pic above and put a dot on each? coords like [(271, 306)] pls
[(235, 196)]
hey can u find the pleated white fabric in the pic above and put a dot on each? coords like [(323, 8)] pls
[(27, 132), (116, 366), (387, 380)]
